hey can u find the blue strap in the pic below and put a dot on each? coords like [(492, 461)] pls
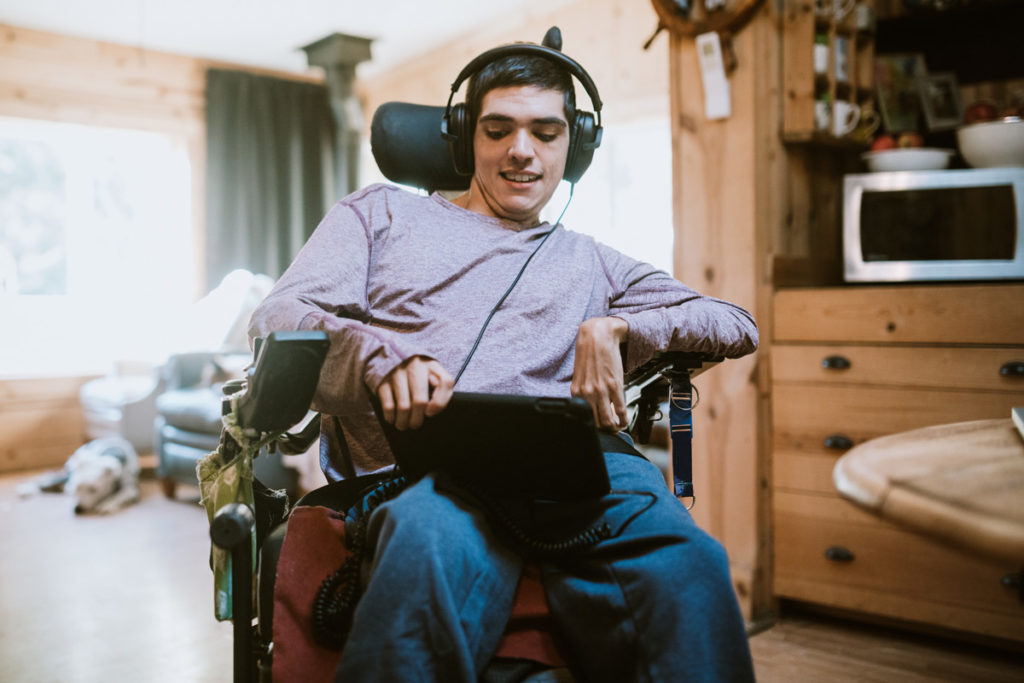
[(680, 419)]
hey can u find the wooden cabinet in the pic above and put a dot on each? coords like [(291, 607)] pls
[(827, 67), (850, 364)]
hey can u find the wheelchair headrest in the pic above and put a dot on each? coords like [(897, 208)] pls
[(407, 145)]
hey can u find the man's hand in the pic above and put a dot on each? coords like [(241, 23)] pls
[(597, 372), (420, 387)]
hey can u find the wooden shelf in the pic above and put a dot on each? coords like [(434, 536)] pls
[(803, 86), (823, 139)]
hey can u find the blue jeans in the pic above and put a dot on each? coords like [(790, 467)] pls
[(653, 602)]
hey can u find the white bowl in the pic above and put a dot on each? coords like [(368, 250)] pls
[(993, 143), (908, 159)]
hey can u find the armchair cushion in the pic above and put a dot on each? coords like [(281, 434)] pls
[(195, 410)]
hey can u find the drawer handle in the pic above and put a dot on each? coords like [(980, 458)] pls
[(838, 442), (838, 553), (1015, 368), (836, 363)]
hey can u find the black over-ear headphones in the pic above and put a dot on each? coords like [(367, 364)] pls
[(584, 130)]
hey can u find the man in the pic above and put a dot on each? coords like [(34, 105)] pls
[(406, 287)]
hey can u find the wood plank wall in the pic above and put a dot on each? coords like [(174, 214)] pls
[(41, 422), (605, 36), (729, 189)]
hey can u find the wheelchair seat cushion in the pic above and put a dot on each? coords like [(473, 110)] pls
[(314, 547)]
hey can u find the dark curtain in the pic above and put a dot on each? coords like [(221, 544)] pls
[(269, 155)]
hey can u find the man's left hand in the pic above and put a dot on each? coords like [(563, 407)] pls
[(597, 371)]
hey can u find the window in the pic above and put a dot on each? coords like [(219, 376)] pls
[(95, 244)]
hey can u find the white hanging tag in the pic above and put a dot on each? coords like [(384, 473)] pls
[(717, 103)]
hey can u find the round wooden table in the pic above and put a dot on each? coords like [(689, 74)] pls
[(960, 483)]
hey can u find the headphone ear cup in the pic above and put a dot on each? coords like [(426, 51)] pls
[(585, 138), (460, 140)]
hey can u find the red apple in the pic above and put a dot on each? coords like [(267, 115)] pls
[(883, 142), (909, 140), (982, 110)]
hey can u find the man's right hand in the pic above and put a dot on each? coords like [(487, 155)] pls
[(418, 388)]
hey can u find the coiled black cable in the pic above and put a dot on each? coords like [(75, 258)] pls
[(336, 598)]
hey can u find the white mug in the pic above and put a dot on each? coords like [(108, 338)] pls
[(822, 112), (847, 116)]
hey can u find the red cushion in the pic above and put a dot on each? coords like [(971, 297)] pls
[(314, 547)]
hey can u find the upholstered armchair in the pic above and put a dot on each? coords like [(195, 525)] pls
[(188, 422)]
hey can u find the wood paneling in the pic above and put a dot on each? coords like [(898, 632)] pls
[(727, 203), (41, 422), (604, 36), (49, 76)]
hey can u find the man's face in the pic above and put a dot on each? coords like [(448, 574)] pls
[(519, 150)]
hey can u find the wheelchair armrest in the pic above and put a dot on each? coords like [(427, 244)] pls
[(663, 365), (647, 386), (281, 384)]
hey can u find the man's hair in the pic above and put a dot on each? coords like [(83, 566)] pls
[(519, 70)]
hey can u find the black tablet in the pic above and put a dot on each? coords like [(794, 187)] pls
[(526, 446)]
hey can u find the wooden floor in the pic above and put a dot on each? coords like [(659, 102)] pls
[(128, 597)]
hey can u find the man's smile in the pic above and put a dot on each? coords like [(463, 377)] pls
[(520, 177)]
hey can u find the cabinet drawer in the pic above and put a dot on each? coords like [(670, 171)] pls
[(810, 420), (889, 571), (969, 314), (986, 369)]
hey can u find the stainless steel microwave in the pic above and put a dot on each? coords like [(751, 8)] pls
[(934, 225)]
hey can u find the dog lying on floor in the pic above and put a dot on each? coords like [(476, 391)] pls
[(103, 476)]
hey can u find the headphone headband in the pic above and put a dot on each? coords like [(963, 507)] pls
[(570, 64)]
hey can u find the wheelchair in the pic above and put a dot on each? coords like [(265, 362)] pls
[(275, 396)]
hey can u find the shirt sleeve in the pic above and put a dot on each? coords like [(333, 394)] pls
[(665, 315), (325, 289)]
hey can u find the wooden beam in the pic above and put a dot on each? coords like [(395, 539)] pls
[(727, 204)]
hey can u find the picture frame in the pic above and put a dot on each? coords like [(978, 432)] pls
[(896, 86), (940, 101)]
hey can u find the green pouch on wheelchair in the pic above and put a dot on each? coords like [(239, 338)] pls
[(224, 479)]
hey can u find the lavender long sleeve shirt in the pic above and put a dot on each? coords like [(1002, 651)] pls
[(389, 274)]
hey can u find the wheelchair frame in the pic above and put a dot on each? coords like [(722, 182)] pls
[(277, 394)]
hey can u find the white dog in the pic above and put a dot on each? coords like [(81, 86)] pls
[(103, 476)]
